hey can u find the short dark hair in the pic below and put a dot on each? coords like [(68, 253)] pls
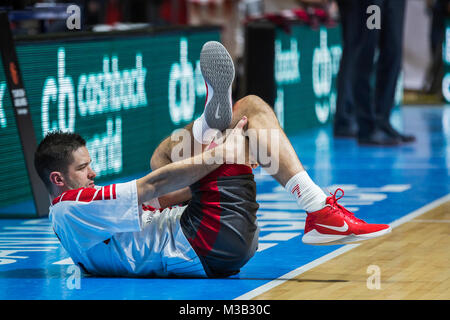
[(54, 153)]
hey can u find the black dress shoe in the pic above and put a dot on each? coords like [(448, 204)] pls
[(349, 131), (393, 132), (379, 138)]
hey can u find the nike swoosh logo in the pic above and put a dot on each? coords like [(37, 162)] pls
[(217, 112), (339, 229)]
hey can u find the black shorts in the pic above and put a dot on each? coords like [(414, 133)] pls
[(220, 219)]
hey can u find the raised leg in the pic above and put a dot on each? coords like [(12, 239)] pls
[(263, 121)]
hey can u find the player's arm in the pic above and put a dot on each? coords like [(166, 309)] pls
[(175, 198), (178, 175), (160, 158), (163, 153), (175, 176)]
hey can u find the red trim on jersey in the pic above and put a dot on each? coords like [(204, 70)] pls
[(87, 194), (99, 195), (70, 195), (107, 193), (148, 208), (56, 200), (114, 191)]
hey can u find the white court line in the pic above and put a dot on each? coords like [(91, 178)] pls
[(431, 221), (418, 212), (294, 273), (67, 261)]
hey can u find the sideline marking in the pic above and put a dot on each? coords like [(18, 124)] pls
[(67, 261), (430, 221), (294, 273)]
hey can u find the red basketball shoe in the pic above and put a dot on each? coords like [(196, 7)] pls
[(336, 225)]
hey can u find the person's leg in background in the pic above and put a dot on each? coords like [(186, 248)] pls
[(344, 119), (440, 9), (368, 131), (389, 65)]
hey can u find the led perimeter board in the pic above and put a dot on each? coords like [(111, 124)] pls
[(122, 92)]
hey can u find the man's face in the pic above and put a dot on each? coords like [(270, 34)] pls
[(79, 173)]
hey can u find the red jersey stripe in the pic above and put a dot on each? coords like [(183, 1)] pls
[(70, 195), (56, 200), (99, 195), (114, 191), (87, 195), (107, 193), (148, 208)]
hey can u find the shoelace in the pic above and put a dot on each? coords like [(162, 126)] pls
[(340, 208)]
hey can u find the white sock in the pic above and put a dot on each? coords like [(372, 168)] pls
[(202, 132), (307, 194)]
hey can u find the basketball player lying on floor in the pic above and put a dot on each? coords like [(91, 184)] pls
[(131, 229)]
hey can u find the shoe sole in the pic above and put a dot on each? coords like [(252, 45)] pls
[(364, 142), (315, 238), (218, 71), (378, 144)]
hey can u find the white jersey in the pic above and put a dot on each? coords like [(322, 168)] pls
[(103, 231)]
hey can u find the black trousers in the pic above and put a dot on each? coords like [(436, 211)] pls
[(345, 106), (373, 102)]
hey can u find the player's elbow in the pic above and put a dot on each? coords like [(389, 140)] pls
[(145, 190)]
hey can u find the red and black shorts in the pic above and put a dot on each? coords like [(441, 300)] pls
[(220, 220)]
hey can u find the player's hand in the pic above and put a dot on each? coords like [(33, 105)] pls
[(230, 148), (234, 147)]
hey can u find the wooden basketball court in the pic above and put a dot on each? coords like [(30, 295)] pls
[(412, 263)]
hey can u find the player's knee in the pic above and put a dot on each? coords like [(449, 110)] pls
[(158, 160), (248, 100), (251, 104)]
